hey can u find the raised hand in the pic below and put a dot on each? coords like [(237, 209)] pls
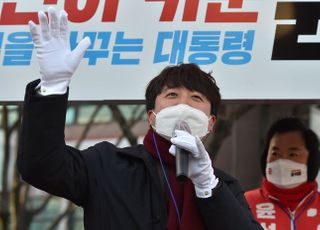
[(56, 60)]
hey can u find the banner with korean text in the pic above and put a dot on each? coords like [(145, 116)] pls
[(256, 49)]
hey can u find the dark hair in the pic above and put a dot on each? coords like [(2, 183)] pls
[(291, 124), (189, 76)]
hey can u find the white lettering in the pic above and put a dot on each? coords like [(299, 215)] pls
[(265, 211), (270, 227)]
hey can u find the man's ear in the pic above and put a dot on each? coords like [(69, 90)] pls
[(212, 123), (151, 117)]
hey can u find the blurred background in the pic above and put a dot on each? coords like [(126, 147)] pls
[(235, 146)]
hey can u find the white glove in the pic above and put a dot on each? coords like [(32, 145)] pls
[(57, 62), (201, 171)]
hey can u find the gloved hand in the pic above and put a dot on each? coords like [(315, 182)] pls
[(57, 62), (201, 171)]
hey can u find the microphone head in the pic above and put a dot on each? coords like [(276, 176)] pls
[(182, 125)]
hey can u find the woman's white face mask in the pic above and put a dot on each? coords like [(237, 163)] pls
[(168, 118), (286, 173)]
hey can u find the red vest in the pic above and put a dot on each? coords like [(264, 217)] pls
[(274, 216)]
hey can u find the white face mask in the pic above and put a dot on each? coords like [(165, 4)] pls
[(286, 173), (168, 118)]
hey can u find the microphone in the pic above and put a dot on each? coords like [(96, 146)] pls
[(182, 158)]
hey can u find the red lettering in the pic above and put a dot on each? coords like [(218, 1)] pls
[(50, 2), (235, 3), (76, 15), (110, 11), (169, 9), (214, 14), (9, 16), (190, 10)]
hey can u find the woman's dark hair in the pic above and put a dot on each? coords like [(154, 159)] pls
[(291, 124), (189, 76)]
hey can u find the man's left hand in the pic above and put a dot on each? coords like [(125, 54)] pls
[(201, 171)]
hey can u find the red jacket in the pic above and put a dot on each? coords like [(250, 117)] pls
[(272, 215)]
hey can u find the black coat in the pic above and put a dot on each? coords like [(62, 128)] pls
[(118, 188)]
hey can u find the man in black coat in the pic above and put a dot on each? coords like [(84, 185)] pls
[(133, 187)]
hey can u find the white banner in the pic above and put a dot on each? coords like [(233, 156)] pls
[(256, 49)]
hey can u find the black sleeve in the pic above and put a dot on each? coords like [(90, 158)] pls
[(44, 160), (227, 209)]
